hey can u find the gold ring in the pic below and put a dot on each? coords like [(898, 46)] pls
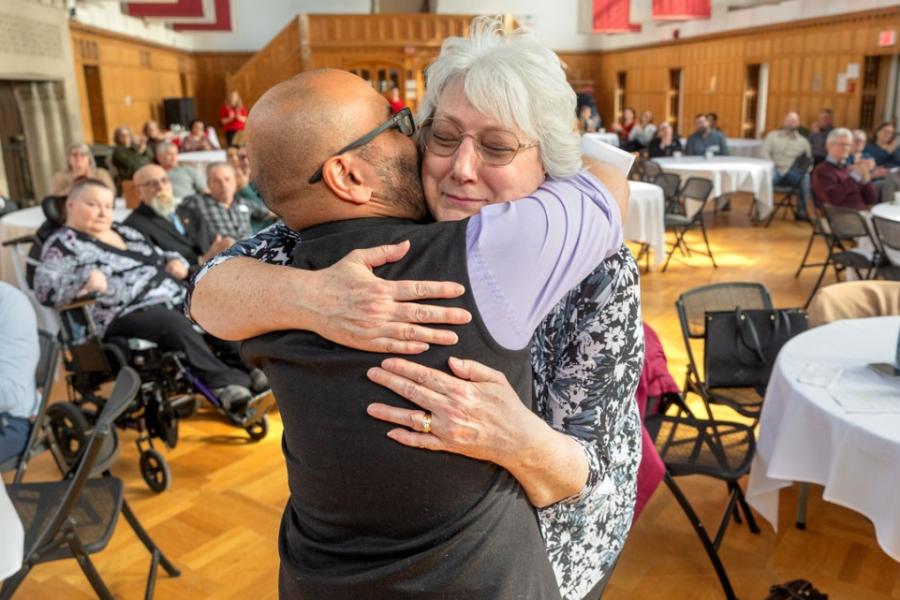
[(426, 423)]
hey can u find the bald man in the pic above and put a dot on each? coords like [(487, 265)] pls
[(369, 518), (168, 224), (782, 147)]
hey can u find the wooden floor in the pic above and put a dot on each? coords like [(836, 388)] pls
[(220, 519)]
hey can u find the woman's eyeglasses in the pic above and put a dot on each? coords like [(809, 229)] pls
[(495, 147), (403, 121)]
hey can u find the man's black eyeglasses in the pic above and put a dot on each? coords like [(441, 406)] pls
[(403, 121)]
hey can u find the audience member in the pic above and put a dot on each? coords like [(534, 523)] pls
[(884, 150), (641, 134), (854, 300), (665, 143), (705, 140), (232, 116), (223, 212), (19, 355), (783, 146), (818, 134), (395, 101), (587, 122), (833, 182), (858, 151), (155, 135), (186, 181), (713, 120), (625, 125), (246, 189), (79, 163), (196, 140), (138, 286), (169, 224), (130, 154)]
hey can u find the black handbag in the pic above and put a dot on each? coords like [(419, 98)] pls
[(798, 589), (741, 345)]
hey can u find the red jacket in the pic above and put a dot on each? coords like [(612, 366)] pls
[(833, 185)]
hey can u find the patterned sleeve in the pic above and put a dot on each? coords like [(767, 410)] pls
[(274, 245), (598, 351), (60, 275)]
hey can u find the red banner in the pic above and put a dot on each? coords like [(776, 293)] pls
[(612, 16), (680, 10)]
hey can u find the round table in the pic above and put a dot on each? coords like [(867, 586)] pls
[(645, 219), (12, 536), (728, 174), (745, 147), (805, 435)]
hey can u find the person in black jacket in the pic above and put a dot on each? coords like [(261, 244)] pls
[(665, 143), (170, 226)]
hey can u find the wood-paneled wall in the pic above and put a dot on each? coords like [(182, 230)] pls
[(402, 42), (804, 61), (135, 76)]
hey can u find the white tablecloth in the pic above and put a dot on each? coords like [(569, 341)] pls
[(728, 174), (12, 536), (805, 435), (745, 147), (645, 220)]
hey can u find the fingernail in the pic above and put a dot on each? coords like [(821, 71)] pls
[(455, 362), (371, 372)]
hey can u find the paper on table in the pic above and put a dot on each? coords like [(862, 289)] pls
[(862, 390), (818, 375), (606, 153)]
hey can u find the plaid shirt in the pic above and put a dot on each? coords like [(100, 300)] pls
[(234, 221)]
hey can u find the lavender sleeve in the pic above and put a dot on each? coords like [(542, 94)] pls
[(524, 256)]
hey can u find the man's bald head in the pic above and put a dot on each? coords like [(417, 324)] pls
[(791, 120), (300, 122)]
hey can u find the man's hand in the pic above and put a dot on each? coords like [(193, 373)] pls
[(863, 168), (96, 283), (177, 269), (357, 309)]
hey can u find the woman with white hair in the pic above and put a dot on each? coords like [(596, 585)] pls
[(496, 122), (80, 164)]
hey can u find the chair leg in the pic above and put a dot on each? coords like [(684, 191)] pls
[(87, 566), (704, 537), (12, 583), (148, 542), (706, 240), (679, 234), (802, 499), (745, 508), (819, 280), (809, 244)]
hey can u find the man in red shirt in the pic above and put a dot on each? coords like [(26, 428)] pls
[(833, 182)]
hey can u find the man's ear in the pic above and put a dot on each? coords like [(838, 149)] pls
[(348, 178)]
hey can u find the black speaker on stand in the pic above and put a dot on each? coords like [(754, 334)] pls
[(179, 110)]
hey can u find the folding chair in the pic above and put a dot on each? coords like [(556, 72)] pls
[(692, 307), (77, 516), (790, 193), (846, 226), (650, 170), (719, 449), (695, 195), (820, 229), (888, 233), (43, 376)]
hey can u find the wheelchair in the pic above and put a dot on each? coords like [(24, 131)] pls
[(168, 392)]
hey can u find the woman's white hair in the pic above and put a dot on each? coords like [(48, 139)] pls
[(512, 78)]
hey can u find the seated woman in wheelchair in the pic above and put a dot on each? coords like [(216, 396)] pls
[(139, 288)]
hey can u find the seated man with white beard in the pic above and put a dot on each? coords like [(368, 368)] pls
[(168, 223)]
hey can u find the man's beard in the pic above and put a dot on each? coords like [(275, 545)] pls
[(402, 185), (164, 204)]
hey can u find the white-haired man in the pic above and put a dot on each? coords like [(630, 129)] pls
[(783, 146), (833, 182), (186, 181)]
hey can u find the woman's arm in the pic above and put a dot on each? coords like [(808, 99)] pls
[(345, 303), (60, 276), (478, 414)]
